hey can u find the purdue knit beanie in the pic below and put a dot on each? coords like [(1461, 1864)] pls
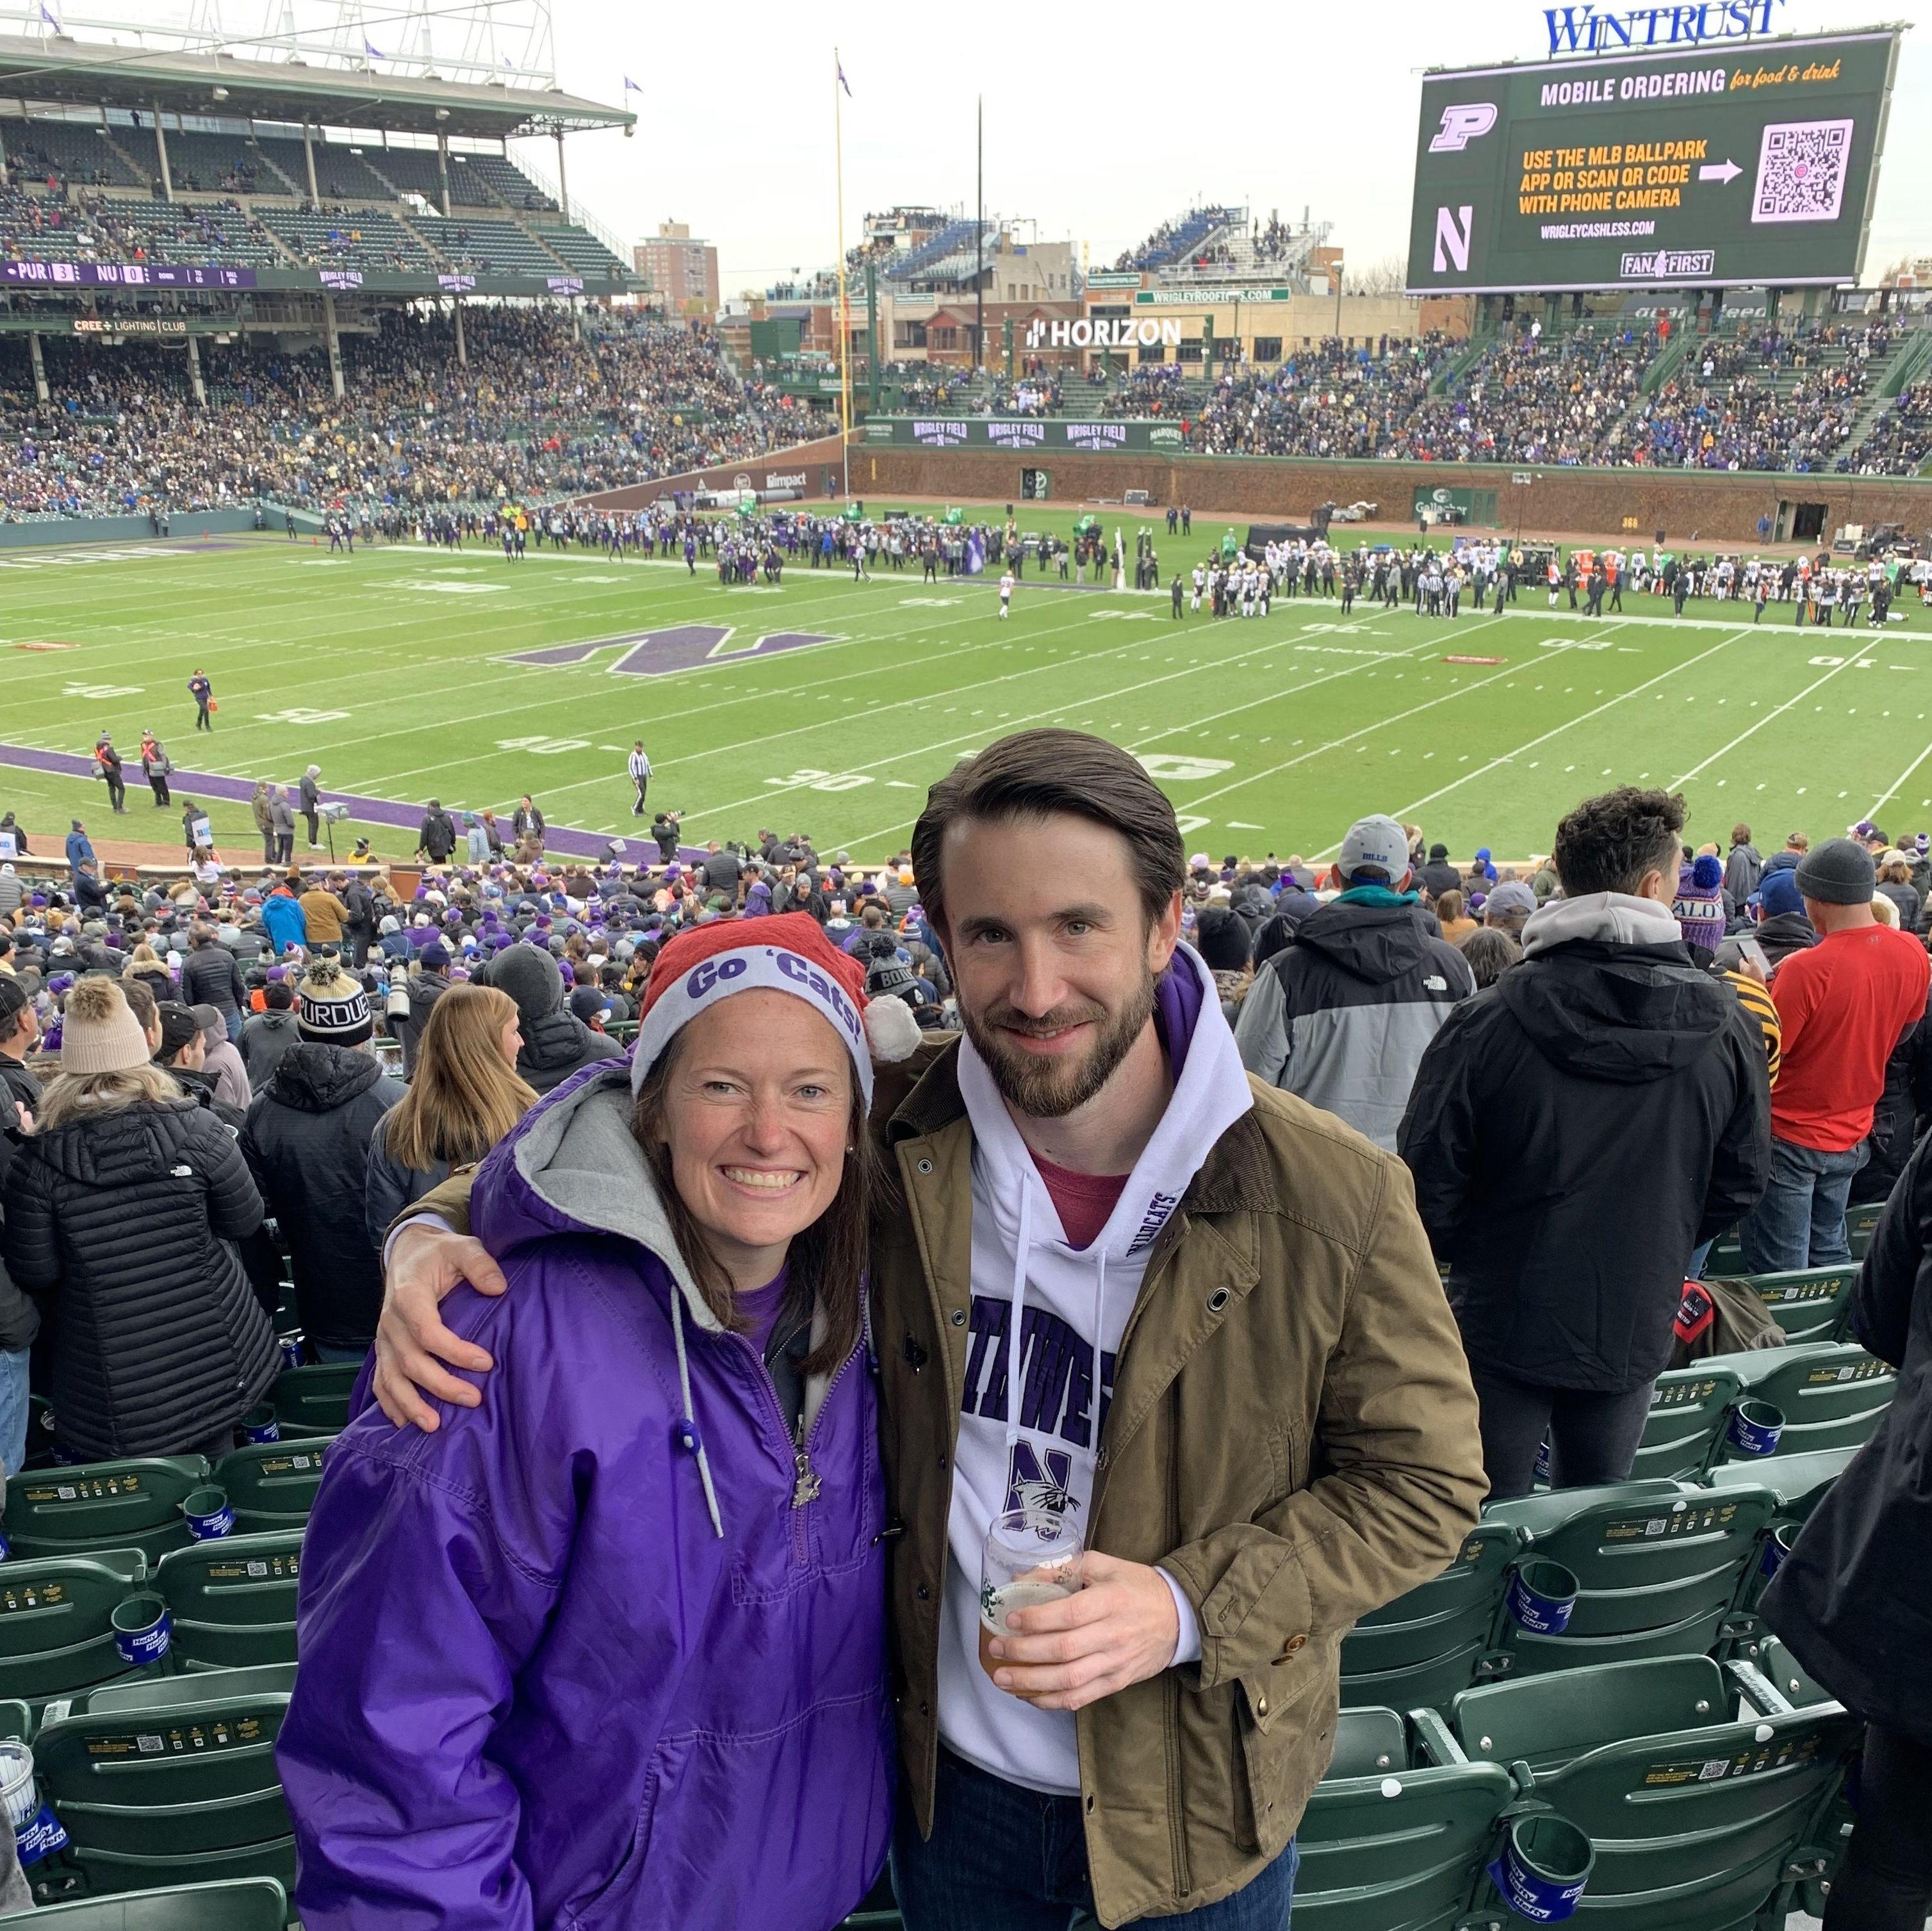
[(331, 1008), (100, 1034), (1699, 907)]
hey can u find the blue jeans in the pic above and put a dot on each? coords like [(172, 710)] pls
[(232, 1021), (336, 1356), (1003, 1858), (13, 1408), (1801, 1221)]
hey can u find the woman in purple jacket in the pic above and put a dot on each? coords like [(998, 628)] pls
[(608, 1649)]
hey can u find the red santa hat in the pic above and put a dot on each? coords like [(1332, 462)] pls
[(788, 953)]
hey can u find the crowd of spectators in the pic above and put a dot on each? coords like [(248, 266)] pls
[(1330, 401), (536, 413)]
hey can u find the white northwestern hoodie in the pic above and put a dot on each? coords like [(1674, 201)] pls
[(1070, 1298)]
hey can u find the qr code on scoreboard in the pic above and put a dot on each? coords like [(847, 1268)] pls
[(1801, 171)]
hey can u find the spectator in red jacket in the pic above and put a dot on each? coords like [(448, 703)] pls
[(1843, 1006)]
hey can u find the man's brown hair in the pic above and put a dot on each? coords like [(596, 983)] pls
[(1609, 842), (1034, 774)]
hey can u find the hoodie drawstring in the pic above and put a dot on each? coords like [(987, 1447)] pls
[(1022, 1250), (687, 1429), (1022, 1246)]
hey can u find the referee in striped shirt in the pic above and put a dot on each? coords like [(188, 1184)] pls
[(639, 766)]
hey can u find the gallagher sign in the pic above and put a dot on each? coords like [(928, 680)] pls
[(1099, 332)]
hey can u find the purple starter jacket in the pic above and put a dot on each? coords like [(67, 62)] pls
[(578, 1659)]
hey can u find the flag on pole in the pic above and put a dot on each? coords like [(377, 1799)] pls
[(47, 16), (630, 86), (374, 52), (842, 81)]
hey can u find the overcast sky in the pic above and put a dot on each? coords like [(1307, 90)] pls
[(1111, 117), (1098, 132)]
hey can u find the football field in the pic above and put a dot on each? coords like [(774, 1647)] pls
[(828, 706)]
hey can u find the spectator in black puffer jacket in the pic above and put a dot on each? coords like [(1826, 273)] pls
[(556, 1042), (123, 1211), (308, 1140), (211, 976)]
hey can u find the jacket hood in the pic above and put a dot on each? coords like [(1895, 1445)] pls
[(1613, 1010), (555, 1039), (134, 1144), (1375, 943), (314, 1077)]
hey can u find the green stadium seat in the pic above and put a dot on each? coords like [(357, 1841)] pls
[(1658, 1565), (271, 1484), (1785, 1674), (17, 1721), (142, 1693), (1797, 1481), (1395, 1845), (1808, 1302), (242, 1904), (1418, 1650), (314, 1401), (1831, 1394), (1687, 1410), (879, 1910), (1860, 1224), (171, 1781), (56, 1630), (103, 1505), (233, 1601), (1697, 1820)]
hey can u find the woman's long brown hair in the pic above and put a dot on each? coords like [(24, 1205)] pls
[(826, 1264), (464, 1095)]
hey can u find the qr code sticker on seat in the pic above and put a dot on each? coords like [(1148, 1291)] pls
[(1801, 171)]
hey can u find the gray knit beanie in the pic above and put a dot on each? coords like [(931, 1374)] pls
[(1838, 872)]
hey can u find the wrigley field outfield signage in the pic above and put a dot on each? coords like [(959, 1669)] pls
[(1024, 435)]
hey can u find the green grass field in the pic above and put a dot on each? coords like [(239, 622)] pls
[(392, 672)]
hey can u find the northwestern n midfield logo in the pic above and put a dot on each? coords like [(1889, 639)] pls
[(653, 653)]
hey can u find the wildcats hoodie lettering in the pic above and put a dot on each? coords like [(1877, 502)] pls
[(1074, 1304)]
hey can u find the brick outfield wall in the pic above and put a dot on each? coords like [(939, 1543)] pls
[(1687, 506), (810, 458)]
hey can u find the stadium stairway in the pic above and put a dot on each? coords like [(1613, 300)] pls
[(1905, 365)]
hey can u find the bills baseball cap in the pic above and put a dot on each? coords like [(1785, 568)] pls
[(1375, 850)]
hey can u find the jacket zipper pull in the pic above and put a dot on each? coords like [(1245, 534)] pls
[(806, 1488)]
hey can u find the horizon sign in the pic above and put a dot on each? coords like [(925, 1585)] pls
[(1102, 332)]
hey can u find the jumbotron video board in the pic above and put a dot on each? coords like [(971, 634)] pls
[(1749, 164)]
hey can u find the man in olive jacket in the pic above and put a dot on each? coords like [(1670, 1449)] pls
[(1241, 1381)]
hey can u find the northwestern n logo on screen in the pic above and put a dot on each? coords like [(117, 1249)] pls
[(1582, 30), (1454, 228)]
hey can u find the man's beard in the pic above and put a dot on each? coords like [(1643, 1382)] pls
[(1050, 1089)]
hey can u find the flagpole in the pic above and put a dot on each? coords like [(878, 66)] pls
[(845, 320)]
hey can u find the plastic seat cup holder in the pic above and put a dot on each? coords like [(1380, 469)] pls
[(208, 1515), (1754, 1427), (260, 1425), (37, 1832), (143, 1630), (1778, 1545), (1545, 1863), (1542, 1597)]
